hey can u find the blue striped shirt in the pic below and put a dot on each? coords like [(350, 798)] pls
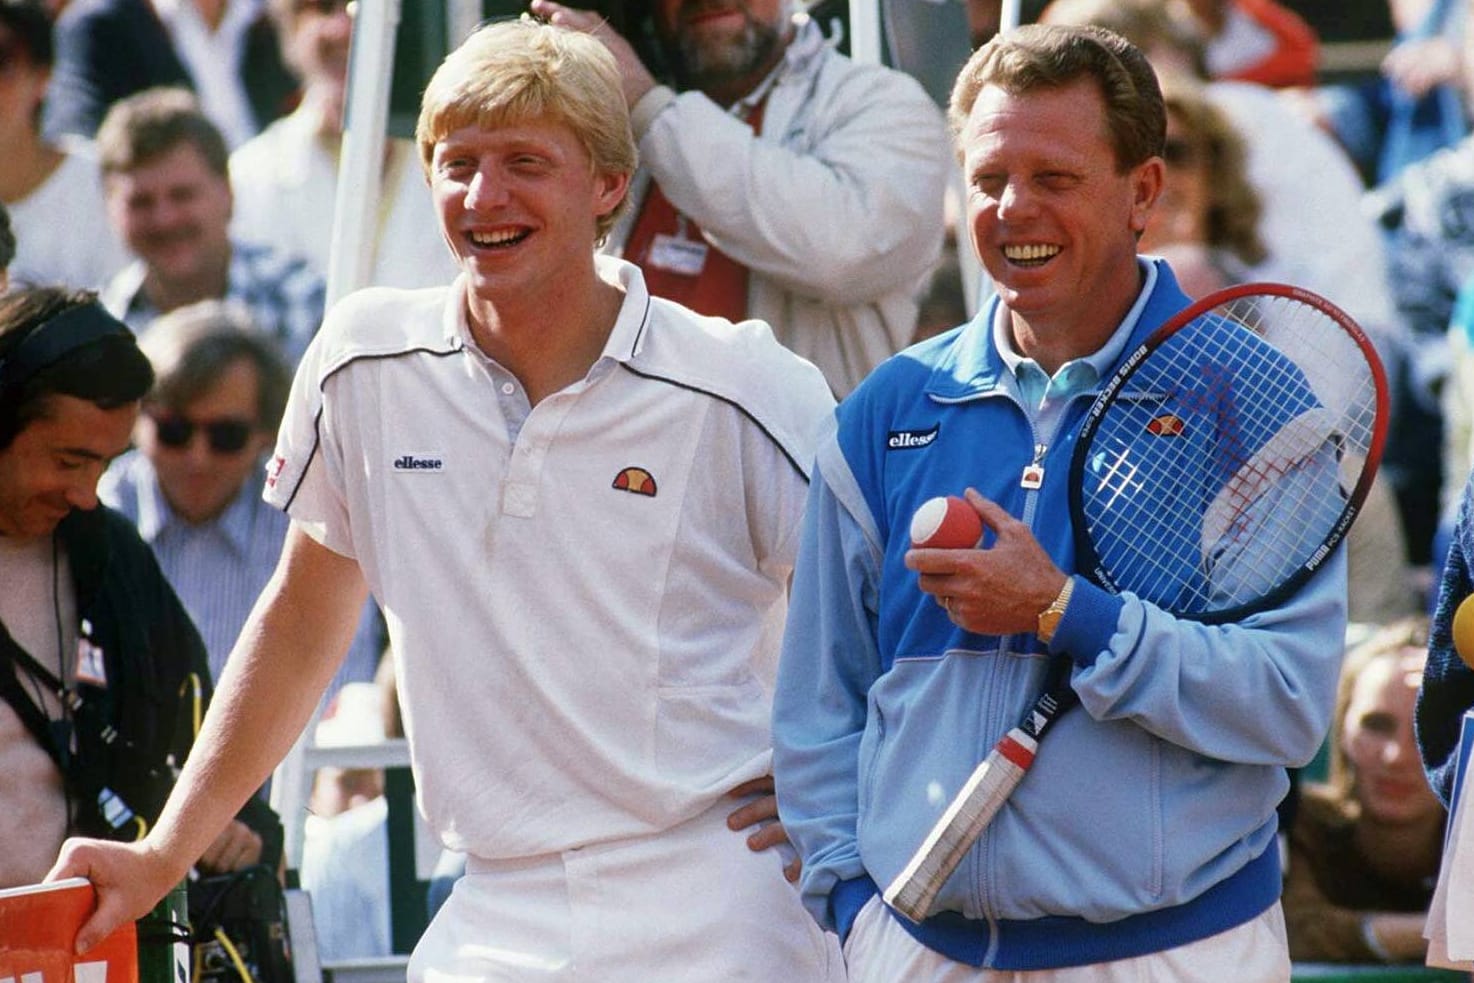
[(284, 297), (218, 568)]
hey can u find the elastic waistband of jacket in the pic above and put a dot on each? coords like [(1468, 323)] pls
[(1055, 942)]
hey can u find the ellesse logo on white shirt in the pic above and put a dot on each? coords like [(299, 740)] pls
[(419, 464)]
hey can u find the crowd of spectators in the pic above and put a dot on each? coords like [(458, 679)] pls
[(180, 158)]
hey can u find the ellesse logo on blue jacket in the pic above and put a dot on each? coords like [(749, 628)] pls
[(910, 440)]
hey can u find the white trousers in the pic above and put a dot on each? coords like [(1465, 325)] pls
[(690, 904), (879, 950)]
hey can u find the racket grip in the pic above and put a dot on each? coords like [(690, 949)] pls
[(915, 888)]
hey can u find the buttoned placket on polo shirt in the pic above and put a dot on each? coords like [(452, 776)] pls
[(530, 433)]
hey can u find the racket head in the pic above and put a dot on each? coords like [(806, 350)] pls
[(1220, 466)]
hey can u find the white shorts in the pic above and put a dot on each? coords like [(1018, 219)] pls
[(690, 904), (879, 950)]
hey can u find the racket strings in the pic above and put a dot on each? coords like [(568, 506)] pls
[(1229, 457)]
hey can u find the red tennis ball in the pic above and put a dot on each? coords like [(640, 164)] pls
[(947, 523), (1463, 630)]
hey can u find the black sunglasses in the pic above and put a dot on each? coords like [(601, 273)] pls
[(228, 435)]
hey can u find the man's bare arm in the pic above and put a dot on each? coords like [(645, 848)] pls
[(288, 651)]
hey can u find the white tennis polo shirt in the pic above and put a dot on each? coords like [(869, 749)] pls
[(585, 597)]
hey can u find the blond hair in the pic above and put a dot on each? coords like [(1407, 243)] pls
[(1389, 642), (520, 70)]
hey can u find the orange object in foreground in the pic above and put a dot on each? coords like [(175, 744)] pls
[(38, 933)]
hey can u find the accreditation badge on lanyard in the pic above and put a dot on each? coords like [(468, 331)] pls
[(684, 253), (91, 663), (678, 253)]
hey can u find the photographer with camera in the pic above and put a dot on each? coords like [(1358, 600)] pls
[(779, 180), (102, 674)]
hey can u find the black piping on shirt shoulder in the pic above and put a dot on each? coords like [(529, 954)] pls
[(635, 346), (730, 402), (317, 420)]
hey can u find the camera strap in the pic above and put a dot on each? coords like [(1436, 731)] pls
[(53, 735), (96, 809)]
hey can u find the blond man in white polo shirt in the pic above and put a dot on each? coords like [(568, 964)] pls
[(578, 507)]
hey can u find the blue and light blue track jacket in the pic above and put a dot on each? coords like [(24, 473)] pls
[(1148, 818)]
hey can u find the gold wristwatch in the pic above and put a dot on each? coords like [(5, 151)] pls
[(1050, 617)]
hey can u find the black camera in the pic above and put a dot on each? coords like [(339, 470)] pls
[(631, 18), (628, 17), (238, 923)]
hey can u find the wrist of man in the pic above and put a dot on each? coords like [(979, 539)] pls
[(1087, 627), (1048, 619), (649, 106)]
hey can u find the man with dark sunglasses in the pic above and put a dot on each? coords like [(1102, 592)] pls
[(193, 485), (214, 410)]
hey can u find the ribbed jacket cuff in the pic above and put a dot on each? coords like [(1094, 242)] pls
[(1089, 622)]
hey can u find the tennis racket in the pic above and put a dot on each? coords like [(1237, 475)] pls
[(1212, 476)]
